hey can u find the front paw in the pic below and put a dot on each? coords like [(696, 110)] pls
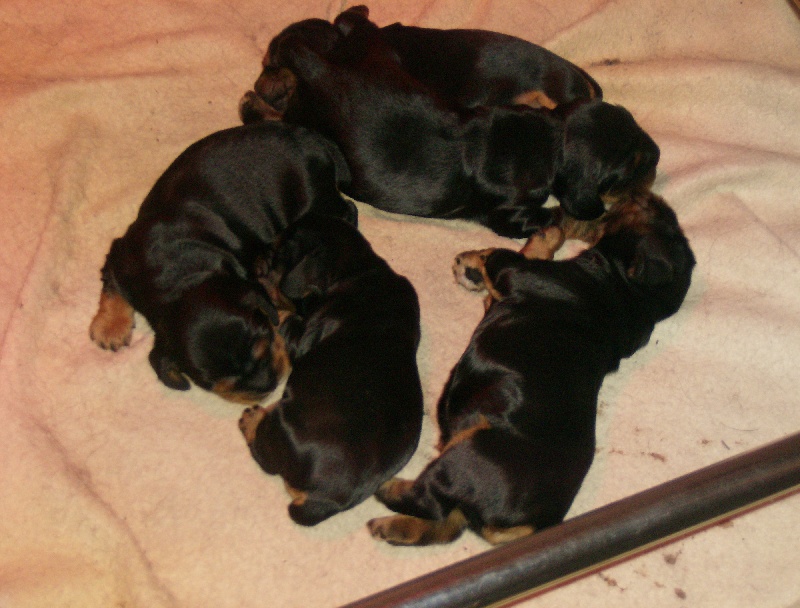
[(254, 109), (469, 269), (112, 326), (397, 529), (248, 423), (393, 490)]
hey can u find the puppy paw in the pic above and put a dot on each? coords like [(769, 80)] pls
[(248, 423), (275, 87), (469, 269), (407, 530), (112, 326), (543, 244), (254, 109), (393, 490), (499, 536), (397, 529)]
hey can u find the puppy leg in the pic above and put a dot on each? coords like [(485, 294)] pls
[(254, 109), (407, 530), (543, 245), (112, 326), (273, 90)]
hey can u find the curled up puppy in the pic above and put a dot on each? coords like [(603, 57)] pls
[(185, 262), (413, 148), (517, 415), (351, 414)]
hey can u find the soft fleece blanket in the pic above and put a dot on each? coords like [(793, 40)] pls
[(115, 491)]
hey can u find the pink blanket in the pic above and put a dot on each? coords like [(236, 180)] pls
[(115, 491)]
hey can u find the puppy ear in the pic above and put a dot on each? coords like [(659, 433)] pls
[(167, 370), (651, 265), (254, 299), (349, 19)]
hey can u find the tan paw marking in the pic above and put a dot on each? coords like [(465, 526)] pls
[(249, 422), (469, 269), (543, 244), (498, 536), (112, 326)]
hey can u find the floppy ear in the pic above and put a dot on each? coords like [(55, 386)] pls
[(262, 303), (578, 179), (651, 264), (166, 369), (349, 19)]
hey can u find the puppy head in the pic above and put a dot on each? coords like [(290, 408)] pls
[(643, 239), (318, 35), (316, 252), (605, 155), (276, 84), (352, 18), (222, 336)]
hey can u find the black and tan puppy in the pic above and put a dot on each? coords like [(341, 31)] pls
[(413, 151), (352, 411), (484, 68), (470, 67), (517, 416), (185, 262)]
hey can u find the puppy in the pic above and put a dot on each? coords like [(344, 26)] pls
[(469, 67), (351, 414), (412, 151), (483, 68), (517, 415), (185, 262)]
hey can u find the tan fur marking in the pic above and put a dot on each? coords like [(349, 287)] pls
[(394, 488), (588, 231), (280, 356), (481, 425), (298, 497), (252, 102), (497, 536), (112, 326), (543, 244), (477, 260), (535, 99), (248, 423)]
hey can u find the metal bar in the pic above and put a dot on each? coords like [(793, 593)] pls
[(605, 535)]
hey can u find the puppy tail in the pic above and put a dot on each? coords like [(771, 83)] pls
[(313, 510)]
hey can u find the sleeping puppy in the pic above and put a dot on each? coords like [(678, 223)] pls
[(185, 262), (468, 67), (412, 151), (517, 415), (483, 68), (351, 414)]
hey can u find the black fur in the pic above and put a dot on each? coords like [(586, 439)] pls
[(352, 411), (185, 262), (413, 149), (517, 416)]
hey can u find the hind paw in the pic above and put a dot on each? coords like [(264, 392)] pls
[(112, 326)]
